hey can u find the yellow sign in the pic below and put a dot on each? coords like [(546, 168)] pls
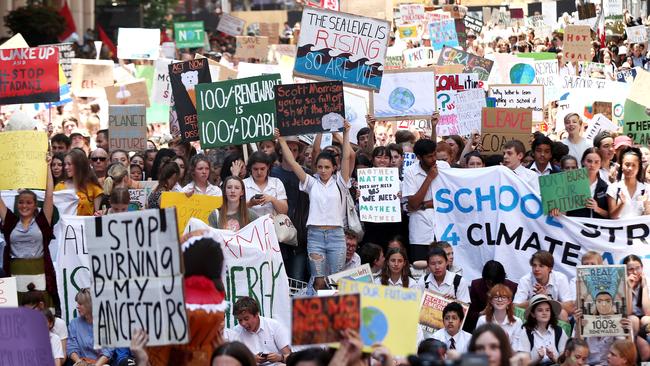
[(408, 31), (23, 163), (389, 315), (197, 205)]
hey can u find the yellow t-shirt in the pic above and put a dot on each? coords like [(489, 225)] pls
[(86, 205)]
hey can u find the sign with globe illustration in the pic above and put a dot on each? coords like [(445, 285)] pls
[(405, 94), (389, 315)]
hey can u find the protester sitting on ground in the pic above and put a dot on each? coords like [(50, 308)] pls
[(449, 250), (451, 334), (55, 341), (396, 270), (543, 337), (83, 180), (200, 172), (373, 255), (501, 311), (34, 299), (637, 285), (233, 213), (492, 274), (629, 196), (233, 354), (443, 281), (575, 353), (80, 329)]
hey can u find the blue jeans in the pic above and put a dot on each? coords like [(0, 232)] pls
[(326, 250)]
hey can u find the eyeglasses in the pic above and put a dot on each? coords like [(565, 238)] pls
[(500, 298), (96, 159)]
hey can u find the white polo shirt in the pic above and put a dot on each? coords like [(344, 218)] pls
[(461, 339), (446, 287), (557, 288), (545, 338), (514, 330), (211, 189), (325, 200), (528, 175), (633, 206), (274, 187), (271, 337)]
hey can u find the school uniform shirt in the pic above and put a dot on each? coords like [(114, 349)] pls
[(549, 169), (545, 338), (461, 339), (527, 175), (60, 329), (210, 190), (513, 330), (354, 262), (271, 336), (446, 287), (633, 206), (274, 188), (420, 221), (576, 150), (557, 288), (412, 282), (599, 349), (57, 347), (325, 200)]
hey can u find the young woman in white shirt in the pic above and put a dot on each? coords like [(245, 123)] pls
[(575, 142), (200, 172), (548, 339), (326, 189), (628, 197), (501, 311), (264, 194), (396, 270)]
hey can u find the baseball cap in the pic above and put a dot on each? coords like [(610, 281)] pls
[(622, 141)]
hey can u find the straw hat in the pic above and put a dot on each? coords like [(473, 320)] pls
[(556, 307)]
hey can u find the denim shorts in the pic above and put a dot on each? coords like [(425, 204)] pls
[(330, 245)]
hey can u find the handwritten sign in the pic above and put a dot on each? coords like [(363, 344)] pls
[(90, 77), (309, 108), (500, 125), (379, 189), (636, 122), (184, 78), (420, 56), (138, 43), (602, 297), (189, 34), (565, 191), (136, 278), (231, 25), (547, 75), (405, 94), (394, 62), (23, 162), (520, 96), (473, 24), (198, 206), (66, 54), (8, 292), (29, 75), (469, 107), (408, 31), (577, 43), (323, 55), (252, 47), (161, 90), (271, 31), (443, 33), (599, 123), (25, 338), (412, 13), (472, 63), (447, 86), (321, 320), (127, 126), (431, 311)]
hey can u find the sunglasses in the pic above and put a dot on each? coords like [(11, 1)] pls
[(96, 159)]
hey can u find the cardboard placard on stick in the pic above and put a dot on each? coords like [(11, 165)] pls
[(500, 125), (231, 25), (90, 77), (128, 93), (29, 75), (309, 108), (127, 127)]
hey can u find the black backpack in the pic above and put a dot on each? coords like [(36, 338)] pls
[(558, 335), (456, 282)]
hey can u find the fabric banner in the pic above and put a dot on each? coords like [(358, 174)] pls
[(490, 213), (184, 77), (29, 75), (254, 267)]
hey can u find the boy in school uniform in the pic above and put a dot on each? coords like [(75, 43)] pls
[(452, 335)]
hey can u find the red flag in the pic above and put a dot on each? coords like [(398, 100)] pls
[(70, 27), (107, 41)]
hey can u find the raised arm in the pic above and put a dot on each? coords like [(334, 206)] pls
[(286, 154), (48, 203), (315, 150), (346, 168)]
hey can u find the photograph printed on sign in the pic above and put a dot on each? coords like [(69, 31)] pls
[(602, 297)]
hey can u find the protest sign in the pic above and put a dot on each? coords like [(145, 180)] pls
[(412, 13), (597, 124), (136, 278), (384, 309), (322, 320), (577, 43), (231, 25), (138, 43), (356, 109), (240, 111), (592, 69), (469, 108), (8, 292), (520, 96), (637, 123), (363, 273), (447, 86), (409, 159), (23, 163), (419, 57), (252, 47), (184, 77), (128, 93), (626, 75), (309, 108), (637, 34), (90, 77), (547, 74), (472, 63), (199, 206), (639, 90), (253, 266), (405, 94), (25, 338), (322, 55), (66, 54), (127, 127), (443, 33), (408, 31), (394, 62), (378, 200), (29, 75), (138, 198), (566, 191), (602, 297), (161, 90), (379, 9), (271, 31), (431, 311), (500, 125), (461, 32), (189, 34), (474, 24)]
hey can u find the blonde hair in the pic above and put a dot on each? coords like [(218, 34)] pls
[(83, 297), (115, 175)]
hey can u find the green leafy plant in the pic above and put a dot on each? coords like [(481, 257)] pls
[(38, 24)]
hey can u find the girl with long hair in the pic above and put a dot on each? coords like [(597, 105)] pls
[(233, 213), (492, 341), (501, 311), (576, 353), (200, 171), (58, 173), (264, 194), (396, 270), (168, 176), (543, 338), (83, 180), (628, 196)]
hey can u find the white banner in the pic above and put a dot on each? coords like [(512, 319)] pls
[(490, 213), (254, 267)]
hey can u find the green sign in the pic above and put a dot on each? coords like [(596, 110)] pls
[(538, 56), (636, 123), (565, 191), (189, 34), (234, 112)]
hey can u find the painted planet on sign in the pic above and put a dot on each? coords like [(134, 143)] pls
[(522, 74), (401, 99)]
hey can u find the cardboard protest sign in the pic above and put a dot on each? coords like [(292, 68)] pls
[(597, 124), (356, 109), (184, 77), (90, 77), (473, 24), (127, 127), (408, 31), (161, 90), (8, 292), (199, 206), (405, 94), (189, 34), (136, 274), (363, 273), (520, 96), (419, 57), (23, 162), (25, 338), (412, 13), (309, 108), (379, 9), (469, 107), (252, 47), (231, 25), (66, 54), (409, 159), (577, 43), (636, 123), (29, 75), (378, 201), (602, 297), (322, 55), (566, 191), (547, 74), (431, 311), (394, 62), (138, 43), (443, 33), (128, 93), (254, 267), (271, 31), (640, 86), (626, 76), (473, 63), (447, 86), (321, 320), (500, 125), (385, 309), (637, 34)]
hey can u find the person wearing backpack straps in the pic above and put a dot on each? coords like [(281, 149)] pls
[(441, 280), (543, 336)]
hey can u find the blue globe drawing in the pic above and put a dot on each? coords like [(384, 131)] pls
[(350, 114), (522, 74), (374, 325), (401, 99)]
